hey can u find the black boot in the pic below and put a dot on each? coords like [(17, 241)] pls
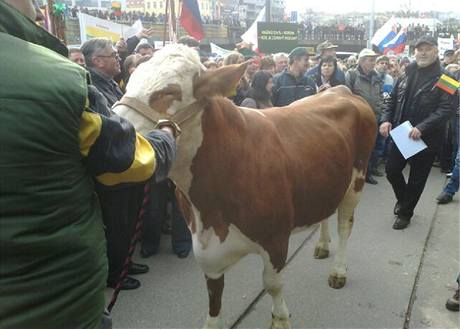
[(444, 198), (401, 223), (371, 180), (452, 303), (128, 283)]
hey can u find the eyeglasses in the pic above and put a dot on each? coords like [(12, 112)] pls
[(112, 55)]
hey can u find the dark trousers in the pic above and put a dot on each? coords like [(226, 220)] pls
[(377, 153), (446, 152), (120, 209), (161, 195), (408, 193)]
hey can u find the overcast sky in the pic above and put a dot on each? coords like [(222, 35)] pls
[(343, 6)]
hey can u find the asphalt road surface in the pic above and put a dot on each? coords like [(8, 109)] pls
[(396, 279)]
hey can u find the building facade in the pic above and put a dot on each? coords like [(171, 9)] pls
[(135, 5), (247, 10), (158, 7)]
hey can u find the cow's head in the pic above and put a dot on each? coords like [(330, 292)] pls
[(174, 78)]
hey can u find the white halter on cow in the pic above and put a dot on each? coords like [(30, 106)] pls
[(247, 179)]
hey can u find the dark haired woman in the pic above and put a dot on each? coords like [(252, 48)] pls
[(260, 94), (325, 77)]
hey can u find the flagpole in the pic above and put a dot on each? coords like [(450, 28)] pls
[(52, 24), (371, 25), (179, 13), (165, 22), (173, 25), (268, 11)]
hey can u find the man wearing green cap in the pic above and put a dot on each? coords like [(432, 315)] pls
[(292, 84), (323, 50)]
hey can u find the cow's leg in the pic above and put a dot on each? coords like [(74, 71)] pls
[(274, 286), (337, 277), (322, 247), (215, 289)]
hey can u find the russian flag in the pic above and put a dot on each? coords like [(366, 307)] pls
[(190, 19), (398, 43), (385, 34)]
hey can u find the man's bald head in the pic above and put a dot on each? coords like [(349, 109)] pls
[(26, 7)]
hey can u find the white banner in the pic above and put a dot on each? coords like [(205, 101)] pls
[(220, 52), (445, 44), (93, 27), (159, 44)]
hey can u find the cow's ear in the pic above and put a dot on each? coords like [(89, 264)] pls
[(222, 81)]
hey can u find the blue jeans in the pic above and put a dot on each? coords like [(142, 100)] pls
[(452, 186)]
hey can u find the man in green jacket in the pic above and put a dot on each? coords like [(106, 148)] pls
[(53, 263), (364, 81)]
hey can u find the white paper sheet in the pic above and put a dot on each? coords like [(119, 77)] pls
[(407, 146)]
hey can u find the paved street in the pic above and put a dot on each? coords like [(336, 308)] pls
[(396, 279)]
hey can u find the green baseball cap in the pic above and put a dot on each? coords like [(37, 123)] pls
[(298, 52)]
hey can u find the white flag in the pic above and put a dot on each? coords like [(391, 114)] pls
[(250, 36), (220, 52)]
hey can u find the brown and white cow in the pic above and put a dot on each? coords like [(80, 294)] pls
[(247, 178)]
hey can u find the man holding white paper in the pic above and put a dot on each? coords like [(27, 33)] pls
[(422, 97)]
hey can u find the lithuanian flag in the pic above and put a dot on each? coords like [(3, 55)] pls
[(448, 84), (116, 8), (116, 5)]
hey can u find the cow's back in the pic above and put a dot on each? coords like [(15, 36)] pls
[(270, 171), (324, 137)]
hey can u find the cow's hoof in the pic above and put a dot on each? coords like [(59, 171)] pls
[(320, 253), (337, 281), (280, 323)]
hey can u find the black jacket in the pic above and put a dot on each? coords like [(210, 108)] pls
[(430, 107), (108, 87)]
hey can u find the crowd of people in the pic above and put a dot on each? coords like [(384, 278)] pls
[(307, 29), (129, 17), (99, 170), (341, 31)]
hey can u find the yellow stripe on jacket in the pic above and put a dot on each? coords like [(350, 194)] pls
[(141, 168), (90, 129)]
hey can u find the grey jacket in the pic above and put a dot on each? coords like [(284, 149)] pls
[(368, 87)]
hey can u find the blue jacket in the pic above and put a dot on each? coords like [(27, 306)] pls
[(287, 88)]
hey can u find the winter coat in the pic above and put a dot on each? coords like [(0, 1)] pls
[(53, 263), (368, 87), (431, 106), (287, 88)]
